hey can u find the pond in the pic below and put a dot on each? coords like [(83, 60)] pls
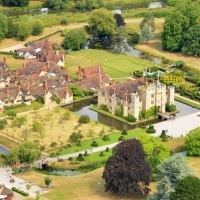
[(66, 172), (115, 9), (83, 108), (3, 150)]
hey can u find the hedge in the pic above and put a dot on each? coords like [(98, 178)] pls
[(42, 38), (20, 191)]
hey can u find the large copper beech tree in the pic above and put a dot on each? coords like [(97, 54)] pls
[(127, 171)]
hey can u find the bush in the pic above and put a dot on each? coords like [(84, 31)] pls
[(163, 134), (76, 136), (151, 129), (63, 22), (70, 158), (143, 126), (104, 107), (106, 138), (53, 144), (20, 191), (86, 153), (121, 138), (107, 149), (79, 144), (124, 132), (69, 145), (101, 153), (80, 157), (60, 160), (94, 144), (84, 119)]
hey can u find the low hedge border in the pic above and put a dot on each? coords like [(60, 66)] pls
[(20, 192)]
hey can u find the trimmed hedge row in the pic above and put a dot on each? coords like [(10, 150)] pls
[(42, 38), (20, 191)]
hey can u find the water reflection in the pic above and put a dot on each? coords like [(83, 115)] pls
[(3, 151)]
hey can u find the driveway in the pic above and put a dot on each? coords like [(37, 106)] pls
[(12, 48)]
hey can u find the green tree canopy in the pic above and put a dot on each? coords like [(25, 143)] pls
[(171, 170), (47, 181), (19, 121), (146, 34), (20, 3), (192, 142), (37, 126), (3, 123), (11, 114), (24, 30), (191, 42), (56, 4), (186, 188), (148, 21), (12, 29), (102, 22), (127, 171), (38, 27), (25, 152), (75, 39), (4, 26), (88, 4)]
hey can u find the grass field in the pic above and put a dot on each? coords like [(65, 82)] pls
[(115, 65), (12, 62)]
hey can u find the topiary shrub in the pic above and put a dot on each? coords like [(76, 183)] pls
[(121, 138), (80, 157), (143, 126), (164, 139), (124, 132), (70, 158), (101, 153), (163, 134), (105, 138), (53, 144), (94, 144), (86, 153), (84, 119), (151, 129), (52, 154), (107, 149), (63, 22), (69, 145), (79, 144), (60, 160)]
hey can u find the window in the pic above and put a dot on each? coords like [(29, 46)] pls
[(152, 95), (152, 102)]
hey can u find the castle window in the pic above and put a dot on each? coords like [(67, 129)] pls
[(152, 102), (152, 95)]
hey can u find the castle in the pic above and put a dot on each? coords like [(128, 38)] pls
[(136, 96)]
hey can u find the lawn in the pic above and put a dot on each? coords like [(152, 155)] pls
[(2, 162), (115, 65), (7, 143), (12, 62), (188, 101)]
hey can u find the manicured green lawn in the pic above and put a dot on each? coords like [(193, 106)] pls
[(2, 162), (7, 142), (86, 145), (115, 65), (188, 102)]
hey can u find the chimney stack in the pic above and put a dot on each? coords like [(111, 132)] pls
[(4, 59), (48, 64), (8, 92), (57, 52), (114, 91), (68, 78), (19, 88), (23, 64), (45, 85)]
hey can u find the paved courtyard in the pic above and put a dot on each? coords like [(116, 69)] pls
[(179, 126)]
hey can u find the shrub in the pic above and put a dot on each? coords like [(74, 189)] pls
[(121, 138), (80, 157), (151, 129), (143, 126), (63, 22), (69, 145), (130, 118), (86, 153), (76, 136), (57, 153), (84, 119), (163, 134), (60, 160), (124, 132), (101, 153), (104, 107), (20, 191), (70, 158), (53, 144), (106, 138), (79, 144), (107, 149), (94, 144)]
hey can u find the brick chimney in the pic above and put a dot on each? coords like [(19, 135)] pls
[(23, 64), (54, 59), (79, 71), (19, 88), (28, 86), (16, 78), (57, 52), (114, 91), (45, 85), (68, 79), (8, 92), (4, 59), (48, 64), (99, 86)]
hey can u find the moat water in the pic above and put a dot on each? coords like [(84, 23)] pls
[(83, 108)]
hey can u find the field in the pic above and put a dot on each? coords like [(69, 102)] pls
[(55, 129), (12, 62), (115, 65)]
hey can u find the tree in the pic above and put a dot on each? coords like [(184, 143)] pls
[(25, 152), (119, 20), (84, 119), (12, 29), (146, 34), (24, 30), (75, 39), (66, 115), (126, 171), (37, 126), (38, 27), (148, 21), (19, 121), (171, 2), (3, 123), (3, 25), (76, 136), (119, 37), (171, 170), (56, 4), (135, 38), (47, 181), (186, 188), (192, 143), (191, 41), (101, 22), (19, 3), (88, 4), (11, 114)]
